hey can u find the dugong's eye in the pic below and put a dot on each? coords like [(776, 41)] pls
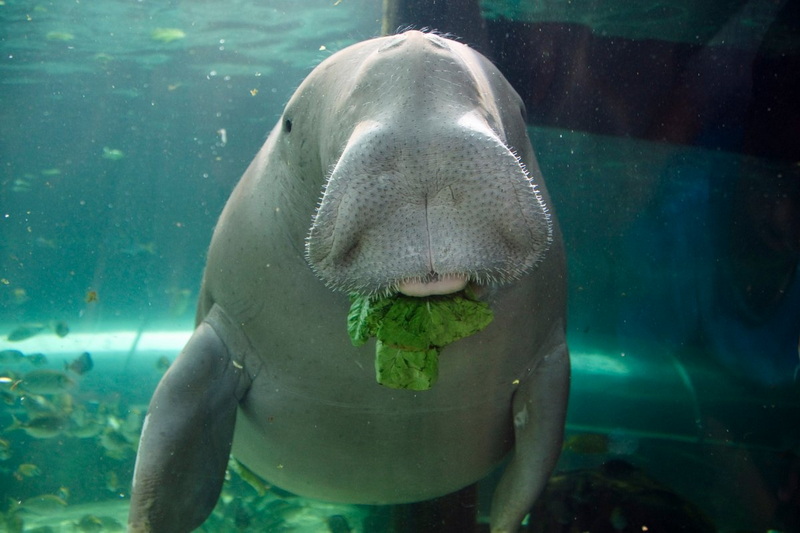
[(287, 125)]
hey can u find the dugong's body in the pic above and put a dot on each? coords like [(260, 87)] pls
[(417, 146)]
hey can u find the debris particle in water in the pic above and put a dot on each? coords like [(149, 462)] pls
[(167, 35), (112, 154)]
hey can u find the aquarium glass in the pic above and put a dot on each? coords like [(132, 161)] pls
[(668, 134)]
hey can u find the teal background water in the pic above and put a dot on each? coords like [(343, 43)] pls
[(118, 149)]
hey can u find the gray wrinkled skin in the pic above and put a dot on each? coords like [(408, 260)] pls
[(413, 195), (400, 159)]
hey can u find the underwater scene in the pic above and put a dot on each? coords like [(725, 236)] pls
[(667, 133)]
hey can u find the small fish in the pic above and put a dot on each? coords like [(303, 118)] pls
[(587, 443), (103, 58), (11, 357), (26, 331), (26, 470), (132, 425), (36, 405), (7, 397), (112, 481), (91, 296), (45, 381), (86, 428), (20, 185), (116, 444), (162, 364), (19, 296), (51, 172), (82, 364), (248, 476), (89, 523), (167, 35), (5, 450), (111, 524), (137, 249), (36, 359), (338, 524), (43, 427), (60, 328), (112, 154), (59, 36), (49, 244), (42, 505), (84, 424)]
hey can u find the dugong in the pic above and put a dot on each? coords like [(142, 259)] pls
[(401, 163)]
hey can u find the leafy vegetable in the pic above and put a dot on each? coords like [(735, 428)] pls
[(411, 331), (399, 368)]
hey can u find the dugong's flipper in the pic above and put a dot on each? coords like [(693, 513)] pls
[(186, 439), (539, 408)]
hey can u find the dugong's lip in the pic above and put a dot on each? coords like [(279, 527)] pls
[(443, 285)]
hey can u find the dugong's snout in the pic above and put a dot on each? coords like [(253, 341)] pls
[(426, 207)]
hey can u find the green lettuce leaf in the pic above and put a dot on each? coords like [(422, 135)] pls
[(365, 317), (399, 368), (411, 331)]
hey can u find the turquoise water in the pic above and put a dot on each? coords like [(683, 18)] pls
[(125, 125)]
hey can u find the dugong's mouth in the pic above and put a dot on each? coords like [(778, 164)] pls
[(433, 285), (401, 204)]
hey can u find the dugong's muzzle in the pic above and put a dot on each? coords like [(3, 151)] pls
[(427, 202)]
